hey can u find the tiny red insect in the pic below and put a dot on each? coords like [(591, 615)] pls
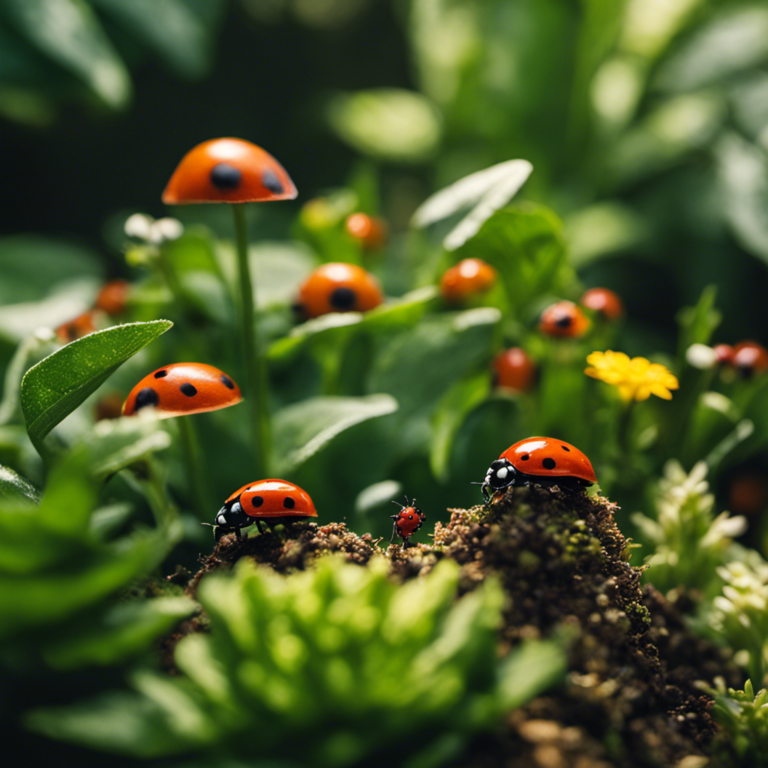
[(370, 232), (338, 287), (75, 329), (269, 501), (749, 358), (113, 296), (563, 320), (604, 301), (469, 277), (514, 369), (407, 521), (182, 388), (541, 461)]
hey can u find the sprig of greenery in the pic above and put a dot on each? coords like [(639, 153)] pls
[(353, 663), (743, 718), (688, 541)]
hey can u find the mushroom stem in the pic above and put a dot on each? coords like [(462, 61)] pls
[(255, 364), (202, 501)]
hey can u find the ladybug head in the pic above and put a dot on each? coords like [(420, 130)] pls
[(501, 474)]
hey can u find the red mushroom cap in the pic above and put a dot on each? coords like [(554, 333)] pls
[(228, 171)]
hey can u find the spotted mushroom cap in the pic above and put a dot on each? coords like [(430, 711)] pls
[(339, 287), (228, 171), (183, 388)]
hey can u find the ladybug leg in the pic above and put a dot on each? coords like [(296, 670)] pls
[(258, 525)]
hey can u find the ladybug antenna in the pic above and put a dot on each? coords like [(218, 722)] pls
[(210, 525), (397, 503), (474, 483)]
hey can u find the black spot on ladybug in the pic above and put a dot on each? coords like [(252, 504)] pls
[(145, 397), (161, 374), (271, 182), (289, 503), (525, 457), (225, 176), (188, 389), (549, 463), (564, 321), (410, 517), (342, 299), (227, 382), (565, 448), (257, 501)]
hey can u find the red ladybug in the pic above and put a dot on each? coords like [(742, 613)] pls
[(749, 358), (407, 522), (228, 171), (271, 501), (371, 233), (75, 329), (112, 297), (514, 369), (724, 354), (563, 320), (469, 277), (604, 301), (182, 388), (338, 287), (541, 461)]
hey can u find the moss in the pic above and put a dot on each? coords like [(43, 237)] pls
[(630, 698)]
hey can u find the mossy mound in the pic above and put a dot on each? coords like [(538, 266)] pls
[(630, 698)]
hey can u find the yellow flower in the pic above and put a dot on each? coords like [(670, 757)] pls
[(636, 378)]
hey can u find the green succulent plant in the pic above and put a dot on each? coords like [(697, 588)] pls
[(326, 667), (743, 719)]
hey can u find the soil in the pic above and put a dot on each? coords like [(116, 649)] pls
[(631, 696)]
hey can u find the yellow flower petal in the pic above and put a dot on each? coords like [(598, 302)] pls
[(636, 378)]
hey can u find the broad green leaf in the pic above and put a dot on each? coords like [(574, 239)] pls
[(123, 630), (487, 191), (301, 430), (69, 33), (15, 488), (377, 495), (525, 244), (177, 34), (451, 413), (390, 123), (743, 171), (331, 329), (729, 42), (32, 266), (57, 385), (115, 444), (419, 366)]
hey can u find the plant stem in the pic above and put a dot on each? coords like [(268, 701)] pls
[(164, 511), (255, 364), (202, 501)]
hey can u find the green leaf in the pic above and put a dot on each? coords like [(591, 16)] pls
[(451, 413), (14, 488), (120, 632), (743, 171), (177, 34), (32, 266), (68, 32), (525, 244), (118, 443), (487, 191), (529, 670), (697, 324), (730, 42), (301, 430), (390, 123), (57, 385)]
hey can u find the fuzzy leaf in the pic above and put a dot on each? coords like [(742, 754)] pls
[(301, 430), (57, 385)]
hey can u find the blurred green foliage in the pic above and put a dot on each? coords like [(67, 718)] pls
[(360, 667)]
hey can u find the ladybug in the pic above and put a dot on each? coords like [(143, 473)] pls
[(723, 354), (749, 358), (468, 278), (228, 171), (541, 461), (603, 301), (407, 521), (112, 297), (338, 287), (182, 388), (370, 232), (563, 320), (75, 329), (514, 370), (270, 501)]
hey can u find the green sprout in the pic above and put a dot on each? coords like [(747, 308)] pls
[(325, 667), (743, 719)]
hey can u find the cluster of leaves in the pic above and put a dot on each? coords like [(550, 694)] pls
[(339, 654), (52, 50), (743, 718)]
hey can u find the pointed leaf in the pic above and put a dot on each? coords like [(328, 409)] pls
[(14, 487), (57, 385)]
